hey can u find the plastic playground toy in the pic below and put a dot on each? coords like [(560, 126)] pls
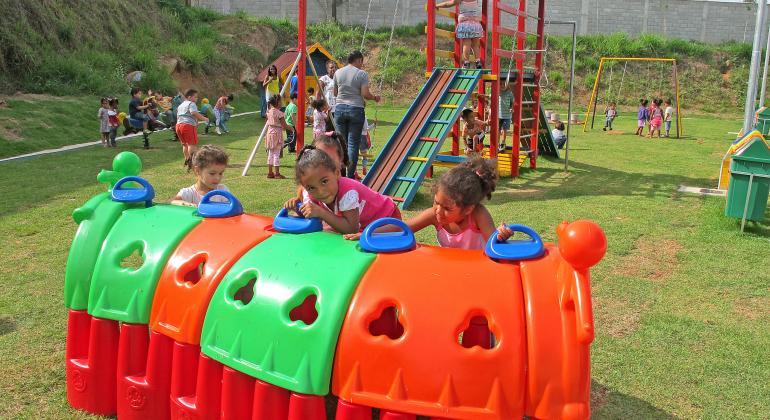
[(227, 316)]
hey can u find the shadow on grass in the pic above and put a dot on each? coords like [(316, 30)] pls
[(590, 180), (610, 404)]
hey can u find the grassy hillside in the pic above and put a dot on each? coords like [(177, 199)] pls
[(58, 57)]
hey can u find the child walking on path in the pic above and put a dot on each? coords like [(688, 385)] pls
[(668, 116), (642, 116), (469, 30), (344, 204), (458, 215), (274, 142), (104, 122), (209, 164), (187, 117), (114, 121), (609, 113)]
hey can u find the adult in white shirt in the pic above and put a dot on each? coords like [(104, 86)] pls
[(327, 84)]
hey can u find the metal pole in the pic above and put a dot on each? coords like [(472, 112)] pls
[(571, 85), (751, 91), (264, 128), (764, 72)]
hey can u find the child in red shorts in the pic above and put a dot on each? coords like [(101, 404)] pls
[(187, 117)]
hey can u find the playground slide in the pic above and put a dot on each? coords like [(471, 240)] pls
[(545, 143), (401, 166)]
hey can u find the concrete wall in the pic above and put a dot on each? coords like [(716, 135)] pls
[(706, 21)]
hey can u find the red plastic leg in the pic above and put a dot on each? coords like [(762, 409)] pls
[(193, 398), (392, 415), (91, 353), (306, 407), (350, 411), (270, 402), (144, 374), (237, 394)]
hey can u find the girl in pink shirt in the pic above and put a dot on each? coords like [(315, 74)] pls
[(346, 205), (461, 221)]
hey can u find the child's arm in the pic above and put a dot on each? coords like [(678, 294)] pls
[(200, 117), (417, 223), (347, 223), (449, 3), (484, 221), (286, 126)]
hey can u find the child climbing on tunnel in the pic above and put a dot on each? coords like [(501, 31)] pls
[(460, 218), (345, 205)]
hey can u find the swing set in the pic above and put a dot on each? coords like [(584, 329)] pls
[(608, 62)]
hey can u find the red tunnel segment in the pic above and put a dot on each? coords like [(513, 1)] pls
[(417, 363), (195, 269), (91, 360)]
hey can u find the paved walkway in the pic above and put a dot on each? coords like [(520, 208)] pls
[(72, 147)]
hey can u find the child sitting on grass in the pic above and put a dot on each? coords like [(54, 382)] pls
[(209, 164), (460, 218), (345, 205)]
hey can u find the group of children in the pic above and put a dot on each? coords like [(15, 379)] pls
[(653, 116), (280, 121), (347, 206), (157, 112)]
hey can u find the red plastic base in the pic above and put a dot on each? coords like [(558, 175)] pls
[(270, 402), (237, 394), (306, 407), (392, 415), (350, 411), (91, 362), (144, 373), (196, 384)]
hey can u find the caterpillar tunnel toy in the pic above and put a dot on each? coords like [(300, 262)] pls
[(230, 315)]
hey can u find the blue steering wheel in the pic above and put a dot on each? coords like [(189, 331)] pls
[(513, 250), (215, 209), (386, 242), (133, 195)]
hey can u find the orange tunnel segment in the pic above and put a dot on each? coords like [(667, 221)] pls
[(436, 332), (195, 269)]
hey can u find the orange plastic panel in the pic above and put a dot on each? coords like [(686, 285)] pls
[(418, 365), (560, 325), (184, 291)]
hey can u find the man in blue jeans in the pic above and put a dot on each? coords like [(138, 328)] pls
[(351, 88)]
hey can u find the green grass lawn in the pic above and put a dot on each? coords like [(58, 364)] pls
[(681, 299)]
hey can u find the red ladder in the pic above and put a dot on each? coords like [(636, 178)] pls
[(519, 53)]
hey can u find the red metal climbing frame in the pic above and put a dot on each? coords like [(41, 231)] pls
[(528, 69)]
